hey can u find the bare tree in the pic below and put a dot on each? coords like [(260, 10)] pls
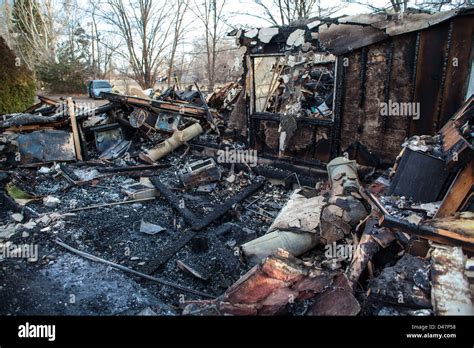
[(285, 12), (400, 6), (393, 6), (144, 26), (210, 14), (442, 5), (36, 27), (4, 21), (181, 8), (103, 47)]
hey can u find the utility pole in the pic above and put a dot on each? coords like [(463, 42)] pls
[(92, 50)]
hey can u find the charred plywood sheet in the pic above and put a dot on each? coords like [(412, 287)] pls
[(429, 78), (372, 78), (343, 38), (456, 71), (46, 146), (450, 292), (416, 21), (401, 82), (363, 122)]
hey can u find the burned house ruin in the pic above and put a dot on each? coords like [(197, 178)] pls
[(313, 186), (316, 89)]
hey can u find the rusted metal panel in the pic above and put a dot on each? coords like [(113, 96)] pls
[(46, 146), (433, 45)]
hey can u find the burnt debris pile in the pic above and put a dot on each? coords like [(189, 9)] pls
[(153, 207)]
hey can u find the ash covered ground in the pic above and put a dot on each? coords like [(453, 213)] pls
[(60, 282)]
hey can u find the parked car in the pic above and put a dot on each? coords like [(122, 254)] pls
[(95, 87)]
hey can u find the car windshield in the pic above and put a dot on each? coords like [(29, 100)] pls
[(101, 84)]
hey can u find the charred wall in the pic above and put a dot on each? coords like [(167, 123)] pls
[(429, 67), (309, 142), (376, 74), (426, 64)]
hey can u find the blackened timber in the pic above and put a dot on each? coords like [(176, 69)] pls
[(428, 232), (386, 87), (210, 119), (362, 76), (218, 210), (222, 209), (200, 145), (83, 114), (338, 106), (267, 116), (181, 108), (447, 52), (174, 201), (133, 168), (168, 253)]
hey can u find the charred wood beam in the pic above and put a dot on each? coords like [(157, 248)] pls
[(174, 201), (362, 76), (447, 51), (165, 255), (218, 211), (266, 116), (209, 117), (386, 87), (423, 231), (338, 106), (226, 228), (133, 168), (285, 172), (222, 209), (288, 177), (182, 108), (415, 64), (97, 111), (282, 159), (413, 78), (366, 249), (83, 141), (428, 232)]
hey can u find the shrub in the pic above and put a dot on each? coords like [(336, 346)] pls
[(17, 84), (63, 77)]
